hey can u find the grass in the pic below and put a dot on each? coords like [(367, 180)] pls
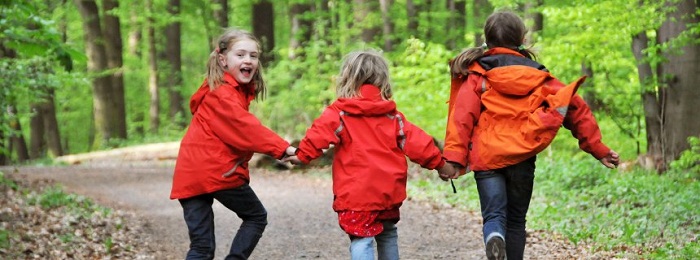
[(635, 214)]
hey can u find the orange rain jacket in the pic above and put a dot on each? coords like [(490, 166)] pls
[(220, 140), (372, 140), (509, 108)]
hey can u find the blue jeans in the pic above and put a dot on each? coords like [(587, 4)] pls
[(362, 248), (505, 195), (199, 218)]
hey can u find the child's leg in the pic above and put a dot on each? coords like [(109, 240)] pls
[(361, 248), (492, 196), (387, 242), (199, 218), (247, 206), (519, 185)]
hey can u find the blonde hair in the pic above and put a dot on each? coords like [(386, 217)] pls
[(502, 29), (215, 72), (363, 67)]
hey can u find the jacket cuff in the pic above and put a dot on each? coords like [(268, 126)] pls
[(455, 157), (600, 151)]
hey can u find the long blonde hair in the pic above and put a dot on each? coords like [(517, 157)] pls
[(502, 29), (363, 67), (215, 72)]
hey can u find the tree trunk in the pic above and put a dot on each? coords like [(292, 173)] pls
[(301, 29), (114, 47), (679, 78), (53, 135), (482, 10), (387, 24), (17, 142), (412, 15), (537, 20), (104, 114), (135, 32), (362, 9), (37, 143), (457, 23), (264, 29), (221, 13), (173, 49), (154, 108), (650, 100)]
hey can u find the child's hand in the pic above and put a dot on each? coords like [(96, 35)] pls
[(611, 160), (447, 172), (291, 150), (292, 159)]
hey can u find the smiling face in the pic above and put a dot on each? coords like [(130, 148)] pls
[(241, 60)]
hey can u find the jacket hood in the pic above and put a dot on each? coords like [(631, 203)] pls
[(509, 72), (199, 95), (369, 103)]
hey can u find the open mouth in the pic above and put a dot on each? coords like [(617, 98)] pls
[(246, 72)]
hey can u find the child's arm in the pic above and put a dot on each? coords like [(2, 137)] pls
[(583, 126), (420, 147), (319, 136), (461, 120), (235, 126)]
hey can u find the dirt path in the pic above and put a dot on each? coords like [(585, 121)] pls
[(302, 224)]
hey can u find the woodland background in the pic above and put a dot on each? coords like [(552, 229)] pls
[(85, 75)]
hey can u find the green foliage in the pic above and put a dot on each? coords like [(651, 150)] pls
[(54, 197), (689, 162), (421, 84)]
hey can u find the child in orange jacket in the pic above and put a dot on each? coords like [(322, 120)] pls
[(372, 140), (504, 109), (213, 159)]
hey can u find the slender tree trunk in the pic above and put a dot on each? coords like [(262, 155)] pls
[(679, 78), (363, 8), (104, 113), (173, 48), (301, 29), (221, 13), (536, 18), (53, 135), (387, 24), (135, 32), (456, 25), (412, 15), (650, 100), (37, 143), (17, 142), (264, 29), (154, 108), (482, 10), (113, 48)]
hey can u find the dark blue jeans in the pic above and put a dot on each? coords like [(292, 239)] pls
[(199, 218), (505, 198)]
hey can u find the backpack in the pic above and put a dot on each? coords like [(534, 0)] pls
[(522, 108)]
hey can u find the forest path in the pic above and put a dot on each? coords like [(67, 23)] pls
[(302, 224)]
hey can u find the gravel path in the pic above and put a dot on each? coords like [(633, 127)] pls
[(302, 224)]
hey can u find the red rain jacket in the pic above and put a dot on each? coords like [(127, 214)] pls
[(220, 140), (372, 140), (497, 115)]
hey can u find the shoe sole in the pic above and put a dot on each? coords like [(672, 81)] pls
[(496, 249)]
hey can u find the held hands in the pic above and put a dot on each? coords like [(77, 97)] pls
[(611, 160), (290, 156), (448, 171)]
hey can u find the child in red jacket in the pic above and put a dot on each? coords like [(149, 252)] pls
[(372, 140), (213, 159)]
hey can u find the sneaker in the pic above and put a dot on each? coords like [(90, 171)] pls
[(496, 248)]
